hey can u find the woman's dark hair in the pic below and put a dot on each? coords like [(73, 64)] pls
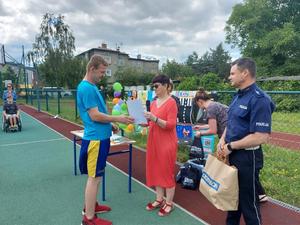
[(201, 94), (161, 78)]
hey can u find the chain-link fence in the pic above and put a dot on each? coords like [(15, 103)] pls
[(286, 117)]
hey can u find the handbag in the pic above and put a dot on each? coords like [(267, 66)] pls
[(219, 184), (196, 150), (188, 176)]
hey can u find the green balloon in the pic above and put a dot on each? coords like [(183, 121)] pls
[(115, 112), (122, 126), (124, 106), (117, 86), (124, 112)]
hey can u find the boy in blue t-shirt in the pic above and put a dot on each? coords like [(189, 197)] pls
[(96, 139)]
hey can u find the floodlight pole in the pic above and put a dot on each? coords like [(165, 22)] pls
[(25, 75)]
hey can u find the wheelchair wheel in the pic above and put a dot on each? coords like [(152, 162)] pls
[(19, 124), (3, 123)]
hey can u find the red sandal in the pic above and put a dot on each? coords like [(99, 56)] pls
[(163, 212), (151, 207)]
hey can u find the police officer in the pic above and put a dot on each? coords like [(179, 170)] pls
[(248, 126)]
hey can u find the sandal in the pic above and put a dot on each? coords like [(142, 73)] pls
[(164, 212), (154, 205)]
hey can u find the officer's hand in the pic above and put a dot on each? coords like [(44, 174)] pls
[(226, 151), (220, 147)]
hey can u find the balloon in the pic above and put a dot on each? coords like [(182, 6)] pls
[(117, 86), (117, 94), (115, 112), (124, 106), (120, 102), (117, 107), (115, 101), (122, 126), (130, 127), (138, 128), (124, 112)]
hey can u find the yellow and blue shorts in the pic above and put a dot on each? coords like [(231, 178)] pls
[(93, 155)]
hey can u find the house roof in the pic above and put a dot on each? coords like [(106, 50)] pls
[(104, 50)]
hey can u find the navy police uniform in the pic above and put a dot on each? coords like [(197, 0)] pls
[(249, 112)]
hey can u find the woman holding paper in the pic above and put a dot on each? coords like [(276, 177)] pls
[(161, 146)]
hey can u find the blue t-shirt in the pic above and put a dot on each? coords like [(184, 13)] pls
[(5, 95), (249, 112), (89, 97)]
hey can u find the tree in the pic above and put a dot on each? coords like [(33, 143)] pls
[(189, 84), (176, 70), (269, 32), (215, 61), (8, 73), (53, 47), (221, 61), (131, 77)]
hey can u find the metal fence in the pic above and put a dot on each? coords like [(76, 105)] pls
[(286, 117)]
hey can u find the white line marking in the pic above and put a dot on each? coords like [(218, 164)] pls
[(32, 142)]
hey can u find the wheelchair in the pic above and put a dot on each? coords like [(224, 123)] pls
[(5, 125)]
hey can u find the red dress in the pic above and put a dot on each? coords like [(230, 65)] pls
[(162, 146)]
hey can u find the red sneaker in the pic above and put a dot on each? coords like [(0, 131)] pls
[(99, 209), (95, 221)]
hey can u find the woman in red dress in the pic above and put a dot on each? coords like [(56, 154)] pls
[(162, 146)]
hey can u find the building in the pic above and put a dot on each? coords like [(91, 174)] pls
[(118, 59)]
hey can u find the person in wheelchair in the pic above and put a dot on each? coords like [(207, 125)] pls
[(11, 112)]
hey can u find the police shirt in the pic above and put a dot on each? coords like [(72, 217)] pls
[(249, 112)]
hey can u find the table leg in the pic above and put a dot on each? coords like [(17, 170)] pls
[(130, 168), (103, 186), (74, 147)]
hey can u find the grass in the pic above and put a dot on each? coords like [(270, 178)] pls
[(281, 174), (286, 122)]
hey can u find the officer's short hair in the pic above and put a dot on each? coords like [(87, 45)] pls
[(96, 61), (246, 63)]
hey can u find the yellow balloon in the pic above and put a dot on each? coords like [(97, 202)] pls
[(130, 127)]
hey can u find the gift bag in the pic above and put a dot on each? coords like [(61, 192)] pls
[(219, 184)]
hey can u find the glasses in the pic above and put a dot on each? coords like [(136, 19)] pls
[(156, 85), (9, 86)]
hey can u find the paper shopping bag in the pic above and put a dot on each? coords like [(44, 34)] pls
[(219, 184)]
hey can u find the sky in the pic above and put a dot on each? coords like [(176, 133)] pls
[(160, 29)]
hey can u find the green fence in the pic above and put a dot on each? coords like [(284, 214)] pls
[(286, 117)]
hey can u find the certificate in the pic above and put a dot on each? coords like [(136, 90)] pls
[(136, 110)]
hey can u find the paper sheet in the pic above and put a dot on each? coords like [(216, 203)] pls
[(136, 110)]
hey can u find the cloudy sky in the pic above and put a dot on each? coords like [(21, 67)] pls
[(162, 29)]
